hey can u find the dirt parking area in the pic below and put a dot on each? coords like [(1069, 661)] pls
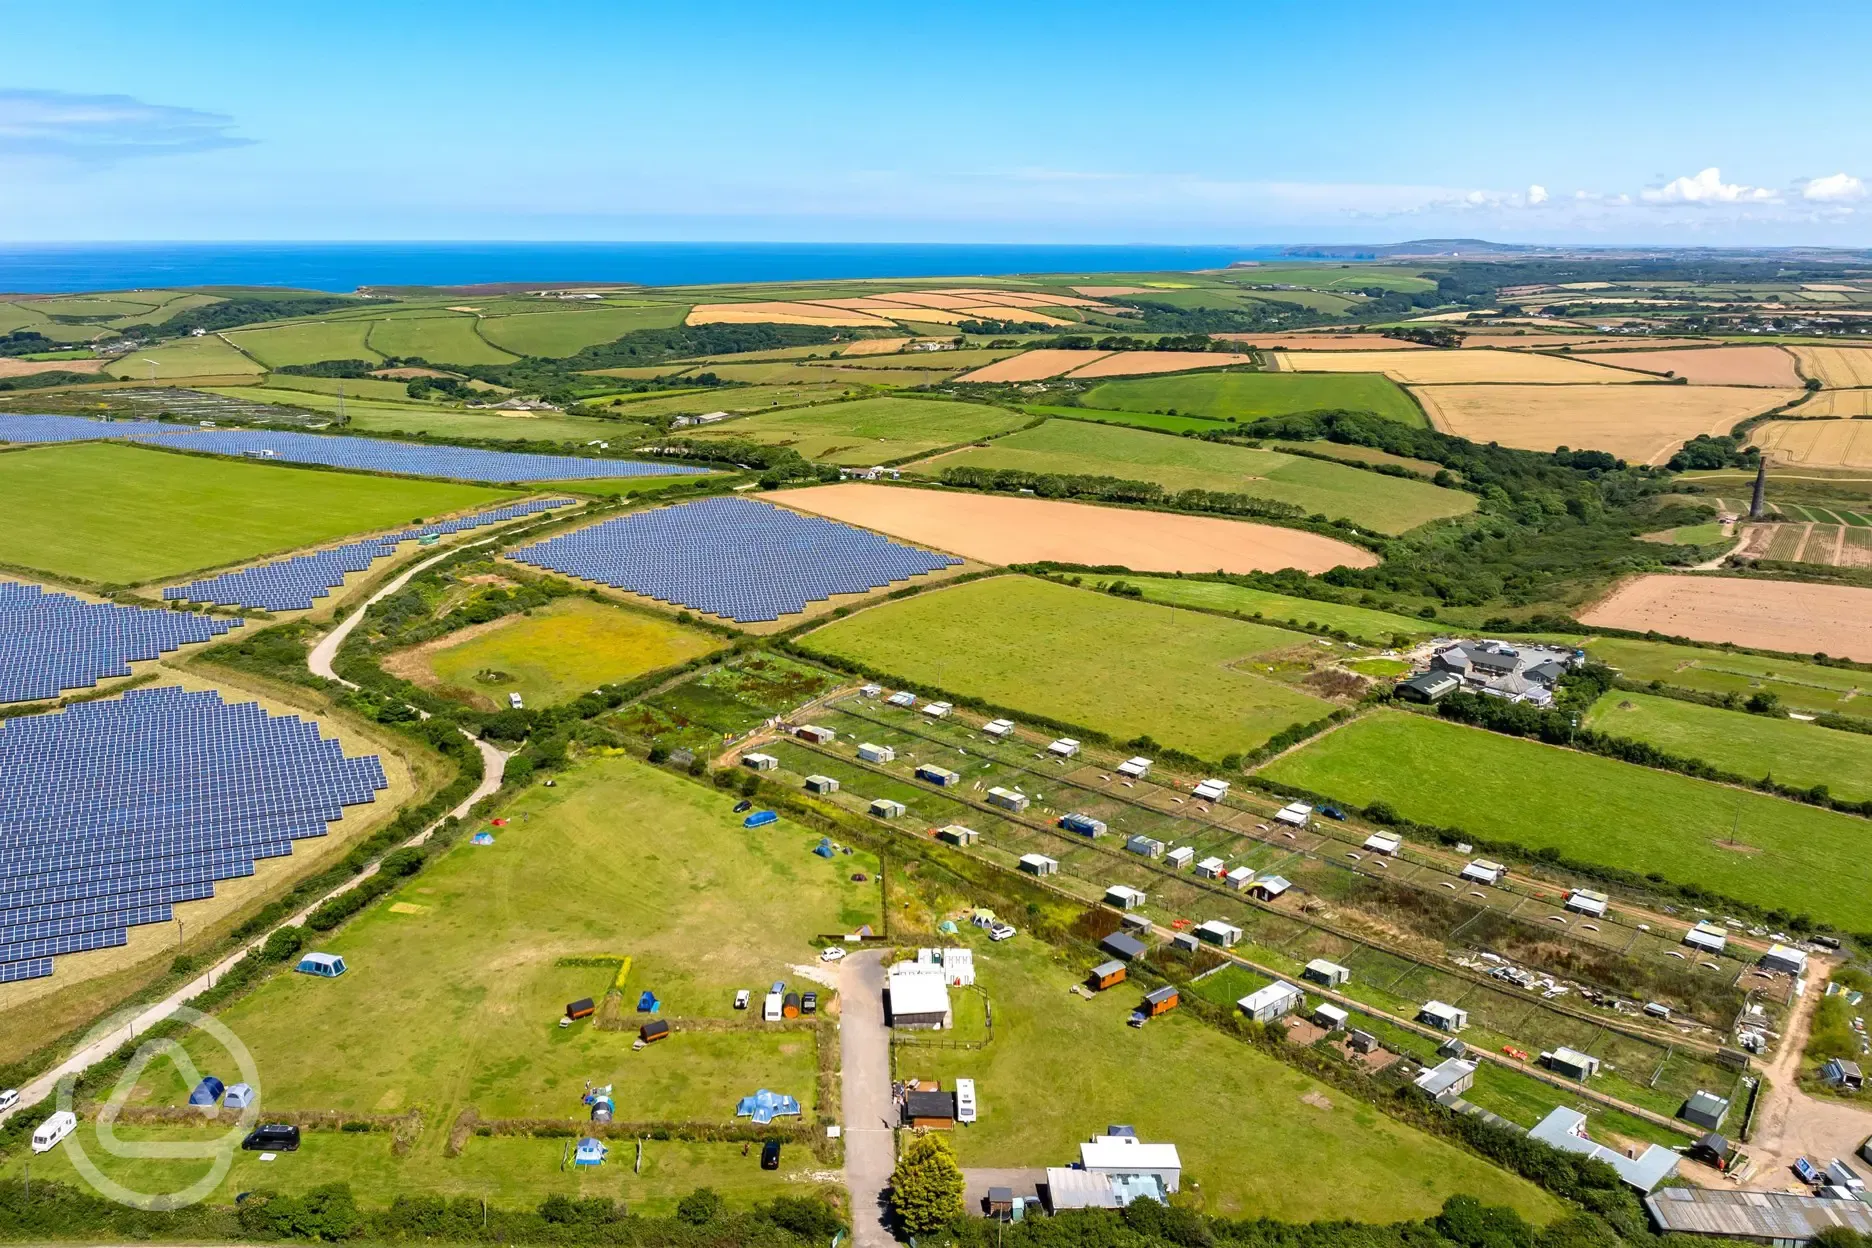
[(1773, 615)]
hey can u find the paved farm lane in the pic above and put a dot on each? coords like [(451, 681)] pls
[(870, 1134)]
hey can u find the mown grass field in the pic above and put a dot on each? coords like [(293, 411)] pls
[(443, 340), (207, 356), (1800, 686), (1250, 396), (307, 342), (1228, 1109), (1785, 855), (1122, 667), (1360, 622), (722, 399), (1386, 504), (556, 653), (870, 431), (558, 334), (1794, 753), (118, 514), (1142, 420)]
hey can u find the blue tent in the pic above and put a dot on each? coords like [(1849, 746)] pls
[(648, 1003), (591, 1152), (760, 819), (207, 1092), (824, 847), (764, 1106), (240, 1096), (324, 965)]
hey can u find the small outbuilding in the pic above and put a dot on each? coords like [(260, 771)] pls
[(1216, 932), (1571, 1063), (1707, 937), (1443, 1016), (1705, 1109), (1277, 1000), (901, 698), (1587, 901), (760, 762), (652, 1031), (1449, 1078), (1330, 1016), (1125, 897), (1135, 768), (1484, 871), (1065, 747), (815, 734), (872, 753), (1211, 869), (1124, 945), (1386, 843), (1840, 1073), (1787, 961), (1427, 687), (941, 777), (1159, 1001), (1039, 864), (957, 834), (1180, 857), (1269, 888), (1240, 878), (930, 1111), (1211, 790), (1008, 799), (1084, 825), (584, 1007), (937, 710), (887, 808), (1144, 846), (1294, 814), (1326, 974), (1107, 975), (999, 728), (821, 784)]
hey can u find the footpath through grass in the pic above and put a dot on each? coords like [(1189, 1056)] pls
[(1760, 849), (1122, 667), (118, 514), (1250, 396)]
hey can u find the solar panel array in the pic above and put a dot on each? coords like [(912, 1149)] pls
[(733, 557), (52, 642), (111, 812), (17, 428), (292, 584)]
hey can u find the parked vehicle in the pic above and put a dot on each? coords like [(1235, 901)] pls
[(741, 999), (1333, 812), (9, 1098), (809, 1004), (1807, 1172), (272, 1137), (770, 1155), (832, 954), (1000, 931)]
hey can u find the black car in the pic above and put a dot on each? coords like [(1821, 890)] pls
[(770, 1155), (809, 1004), (742, 806), (272, 1137)]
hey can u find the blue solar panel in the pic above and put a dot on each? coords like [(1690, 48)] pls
[(53, 642), (292, 584), (338, 451), (112, 812), (733, 557)]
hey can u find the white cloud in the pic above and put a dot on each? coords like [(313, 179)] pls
[(1834, 188), (1536, 194), (105, 128), (1706, 187)]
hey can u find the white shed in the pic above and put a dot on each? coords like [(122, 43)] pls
[(886, 808), (760, 762), (1327, 974), (1241, 877), (1180, 857), (1065, 747), (1708, 937), (1039, 864), (998, 727), (957, 834), (871, 753), (1782, 958), (1008, 799), (1216, 932), (1330, 1016), (1484, 871), (1212, 868), (1136, 768), (1294, 814), (1277, 1000), (1212, 790), (1386, 843), (937, 710), (1443, 1016), (1587, 901), (1125, 897)]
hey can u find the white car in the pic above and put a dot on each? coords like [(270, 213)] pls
[(8, 1099), (832, 954), (741, 999), (1000, 931)]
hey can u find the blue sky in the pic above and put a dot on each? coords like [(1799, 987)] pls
[(1657, 122)]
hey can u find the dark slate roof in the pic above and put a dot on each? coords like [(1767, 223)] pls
[(1124, 946), (929, 1105)]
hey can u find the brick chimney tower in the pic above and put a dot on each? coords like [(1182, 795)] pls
[(1761, 489)]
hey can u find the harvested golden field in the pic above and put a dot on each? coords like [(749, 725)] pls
[(1817, 443), (1837, 367), (1837, 287), (1000, 528), (1772, 615), (1011, 312), (1837, 403), (1322, 342), (875, 346), (1442, 368), (1034, 365), (1022, 298), (1643, 424), (777, 314), (1547, 342), (1139, 363), (11, 367), (1710, 366)]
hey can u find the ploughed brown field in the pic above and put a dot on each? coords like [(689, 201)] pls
[(1711, 366)]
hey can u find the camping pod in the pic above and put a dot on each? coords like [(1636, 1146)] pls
[(584, 1007), (658, 1030), (789, 1005)]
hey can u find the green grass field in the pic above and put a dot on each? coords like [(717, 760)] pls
[(1229, 1108), (720, 399), (1122, 667), (410, 416), (1799, 754), (307, 342), (1800, 686), (207, 356), (870, 431), (559, 334), (116, 514), (1356, 276), (1785, 855), (1363, 455), (369, 389), (444, 340), (559, 652), (1142, 420), (780, 373), (1250, 396), (1378, 627), (1387, 504)]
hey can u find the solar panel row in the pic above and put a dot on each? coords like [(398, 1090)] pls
[(292, 584), (17, 428), (734, 557), (112, 812), (52, 642)]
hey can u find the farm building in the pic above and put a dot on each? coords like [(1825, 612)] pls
[(903, 698), (1705, 1109), (930, 1111), (1180, 857), (1565, 1129), (1277, 1000), (1781, 958), (886, 808), (1125, 897), (1386, 843), (1269, 888), (1136, 768), (937, 710), (1084, 825), (1008, 799), (1294, 814), (1449, 1078), (1107, 975), (998, 727), (871, 753), (1484, 871), (1121, 945), (957, 834), (590, 1152), (1065, 747), (1708, 937), (760, 762), (821, 784), (1212, 790), (1216, 932), (1240, 877), (1039, 864), (815, 734), (1571, 1063), (1159, 1001), (872, 691), (1443, 1016), (1330, 1016), (1144, 846), (1326, 974), (918, 996), (324, 965), (1212, 868), (1127, 1157), (941, 777), (1427, 686), (1587, 901), (1780, 1219), (1519, 673)]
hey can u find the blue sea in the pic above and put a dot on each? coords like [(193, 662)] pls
[(70, 267)]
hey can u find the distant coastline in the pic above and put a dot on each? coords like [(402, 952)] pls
[(56, 268)]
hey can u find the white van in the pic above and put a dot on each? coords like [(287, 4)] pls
[(770, 1010), (8, 1099), (54, 1129)]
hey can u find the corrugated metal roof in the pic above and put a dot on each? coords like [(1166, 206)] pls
[(1763, 1215)]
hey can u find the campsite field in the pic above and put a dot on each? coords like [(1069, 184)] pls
[(1387, 504), (1250, 396), (1802, 755), (1820, 443), (1361, 1164), (870, 431), (1507, 790), (1120, 667), (552, 654), (1789, 616), (1643, 424), (150, 514), (1361, 622), (1806, 687)]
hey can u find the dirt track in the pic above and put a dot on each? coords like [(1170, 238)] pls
[(1774, 615), (1789, 1123)]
